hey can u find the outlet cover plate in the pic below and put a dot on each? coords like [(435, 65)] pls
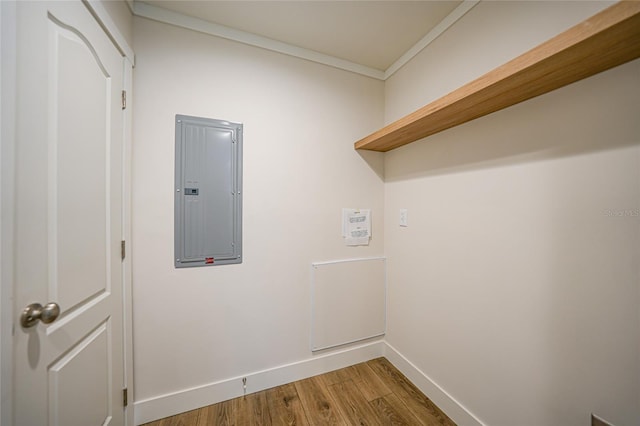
[(404, 217)]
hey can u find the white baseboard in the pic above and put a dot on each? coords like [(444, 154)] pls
[(452, 408), (189, 399)]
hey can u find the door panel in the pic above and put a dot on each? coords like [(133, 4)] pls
[(68, 218), (79, 387), (78, 171)]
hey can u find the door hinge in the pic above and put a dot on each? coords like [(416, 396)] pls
[(124, 99), (122, 249), (125, 397)]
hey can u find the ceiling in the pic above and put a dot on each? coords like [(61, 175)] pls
[(374, 34)]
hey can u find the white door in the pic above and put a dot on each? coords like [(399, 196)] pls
[(68, 220)]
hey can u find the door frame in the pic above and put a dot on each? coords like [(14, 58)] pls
[(8, 80)]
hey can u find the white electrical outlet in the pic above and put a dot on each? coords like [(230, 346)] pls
[(404, 217)]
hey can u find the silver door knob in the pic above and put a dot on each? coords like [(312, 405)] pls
[(36, 312)]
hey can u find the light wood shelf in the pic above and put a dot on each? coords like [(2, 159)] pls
[(607, 39)]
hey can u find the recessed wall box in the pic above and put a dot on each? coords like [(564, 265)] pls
[(208, 192)]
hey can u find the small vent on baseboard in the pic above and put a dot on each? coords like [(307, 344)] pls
[(598, 421)]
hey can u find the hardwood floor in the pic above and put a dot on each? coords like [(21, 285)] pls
[(371, 393)]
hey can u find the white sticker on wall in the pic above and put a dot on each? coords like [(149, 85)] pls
[(356, 226)]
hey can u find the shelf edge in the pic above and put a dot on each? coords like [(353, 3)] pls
[(603, 41)]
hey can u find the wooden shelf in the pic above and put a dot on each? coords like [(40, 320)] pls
[(607, 39)]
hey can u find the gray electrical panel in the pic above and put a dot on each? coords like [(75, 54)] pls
[(208, 192)]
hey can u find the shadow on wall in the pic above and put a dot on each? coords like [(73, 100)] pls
[(375, 160), (546, 127)]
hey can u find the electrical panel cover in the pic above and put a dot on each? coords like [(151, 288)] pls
[(208, 192)]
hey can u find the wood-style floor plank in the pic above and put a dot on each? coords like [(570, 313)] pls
[(371, 393), (285, 406), (189, 418), (352, 404), (220, 414), (339, 376), (417, 403), (369, 383), (392, 412), (320, 408), (252, 409)]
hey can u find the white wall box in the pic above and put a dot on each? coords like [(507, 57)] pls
[(208, 192)]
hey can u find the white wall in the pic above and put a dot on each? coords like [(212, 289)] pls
[(196, 326), (516, 286)]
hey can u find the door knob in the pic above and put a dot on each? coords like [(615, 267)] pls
[(36, 312)]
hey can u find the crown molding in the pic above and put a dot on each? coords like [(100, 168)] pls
[(155, 13), (169, 17), (447, 22)]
